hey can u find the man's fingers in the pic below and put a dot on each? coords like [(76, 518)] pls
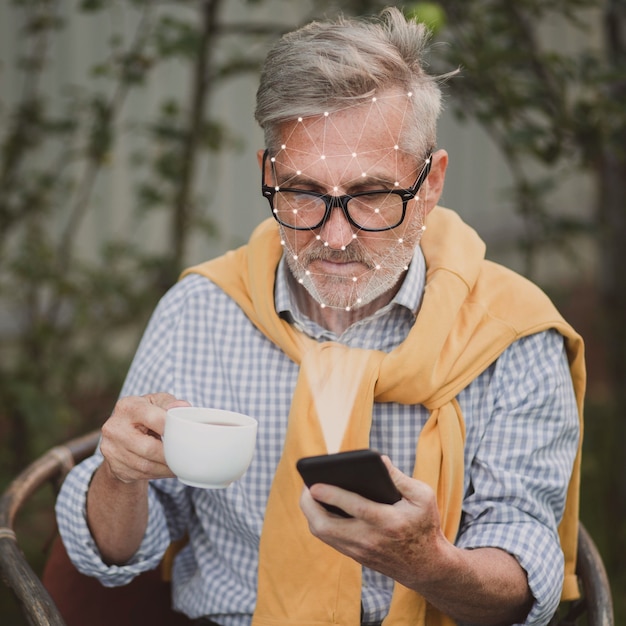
[(165, 400), (131, 437), (132, 467), (137, 457), (410, 489), (147, 413)]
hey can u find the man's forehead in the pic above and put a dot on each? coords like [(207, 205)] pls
[(363, 137), (381, 162), (379, 121)]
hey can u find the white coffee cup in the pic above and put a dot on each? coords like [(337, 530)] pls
[(208, 448)]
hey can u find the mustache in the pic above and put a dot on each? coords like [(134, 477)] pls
[(352, 254)]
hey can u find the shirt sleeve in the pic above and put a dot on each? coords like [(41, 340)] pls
[(167, 500), (71, 512), (521, 470)]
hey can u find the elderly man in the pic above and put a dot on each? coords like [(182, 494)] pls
[(461, 372)]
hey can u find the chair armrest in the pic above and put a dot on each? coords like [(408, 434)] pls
[(594, 581), (15, 571)]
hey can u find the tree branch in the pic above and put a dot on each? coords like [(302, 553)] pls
[(183, 208)]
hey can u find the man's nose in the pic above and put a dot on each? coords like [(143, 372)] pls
[(337, 232)]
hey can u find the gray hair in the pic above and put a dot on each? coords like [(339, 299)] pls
[(325, 66)]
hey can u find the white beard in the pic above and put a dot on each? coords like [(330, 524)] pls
[(381, 271)]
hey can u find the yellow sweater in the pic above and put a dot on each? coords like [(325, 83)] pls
[(471, 312)]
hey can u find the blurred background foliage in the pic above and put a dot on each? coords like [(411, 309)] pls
[(75, 321)]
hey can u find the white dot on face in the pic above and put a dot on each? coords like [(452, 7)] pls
[(298, 172), (374, 99), (276, 188), (295, 257), (323, 157), (273, 159), (300, 280), (400, 240), (347, 308), (378, 267), (283, 147), (409, 94), (354, 279), (363, 174), (299, 119), (354, 155), (376, 210), (307, 273), (396, 184), (335, 188), (326, 114), (343, 248), (353, 235), (396, 147), (406, 268), (318, 237), (282, 242), (323, 305), (326, 244)]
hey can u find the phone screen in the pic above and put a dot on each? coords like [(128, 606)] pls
[(360, 471)]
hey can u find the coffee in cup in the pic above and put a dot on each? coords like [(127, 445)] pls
[(208, 448)]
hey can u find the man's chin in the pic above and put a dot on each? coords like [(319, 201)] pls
[(336, 293), (345, 294), (340, 292), (336, 300)]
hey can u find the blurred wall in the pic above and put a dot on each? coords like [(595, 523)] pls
[(476, 182)]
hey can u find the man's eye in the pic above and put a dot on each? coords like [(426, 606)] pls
[(302, 194), (308, 190), (374, 187)]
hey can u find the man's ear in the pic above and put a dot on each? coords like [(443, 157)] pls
[(259, 157), (433, 186)]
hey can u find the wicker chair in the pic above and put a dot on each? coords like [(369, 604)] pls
[(595, 607)]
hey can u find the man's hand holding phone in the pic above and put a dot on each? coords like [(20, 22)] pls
[(359, 471), (403, 541)]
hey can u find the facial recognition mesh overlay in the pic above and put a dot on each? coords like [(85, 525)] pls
[(345, 189)]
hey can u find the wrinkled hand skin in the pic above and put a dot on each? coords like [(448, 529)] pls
[(404, 541), (131, 437)]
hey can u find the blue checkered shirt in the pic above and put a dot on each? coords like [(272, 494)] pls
[(522, 436)]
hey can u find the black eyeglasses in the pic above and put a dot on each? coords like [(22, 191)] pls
[(368, 210)]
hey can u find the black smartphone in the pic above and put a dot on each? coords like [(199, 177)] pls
[(360, 471)]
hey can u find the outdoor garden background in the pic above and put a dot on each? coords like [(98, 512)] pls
[(127, 152)]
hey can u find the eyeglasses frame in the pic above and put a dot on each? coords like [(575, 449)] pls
[(342, 201)]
